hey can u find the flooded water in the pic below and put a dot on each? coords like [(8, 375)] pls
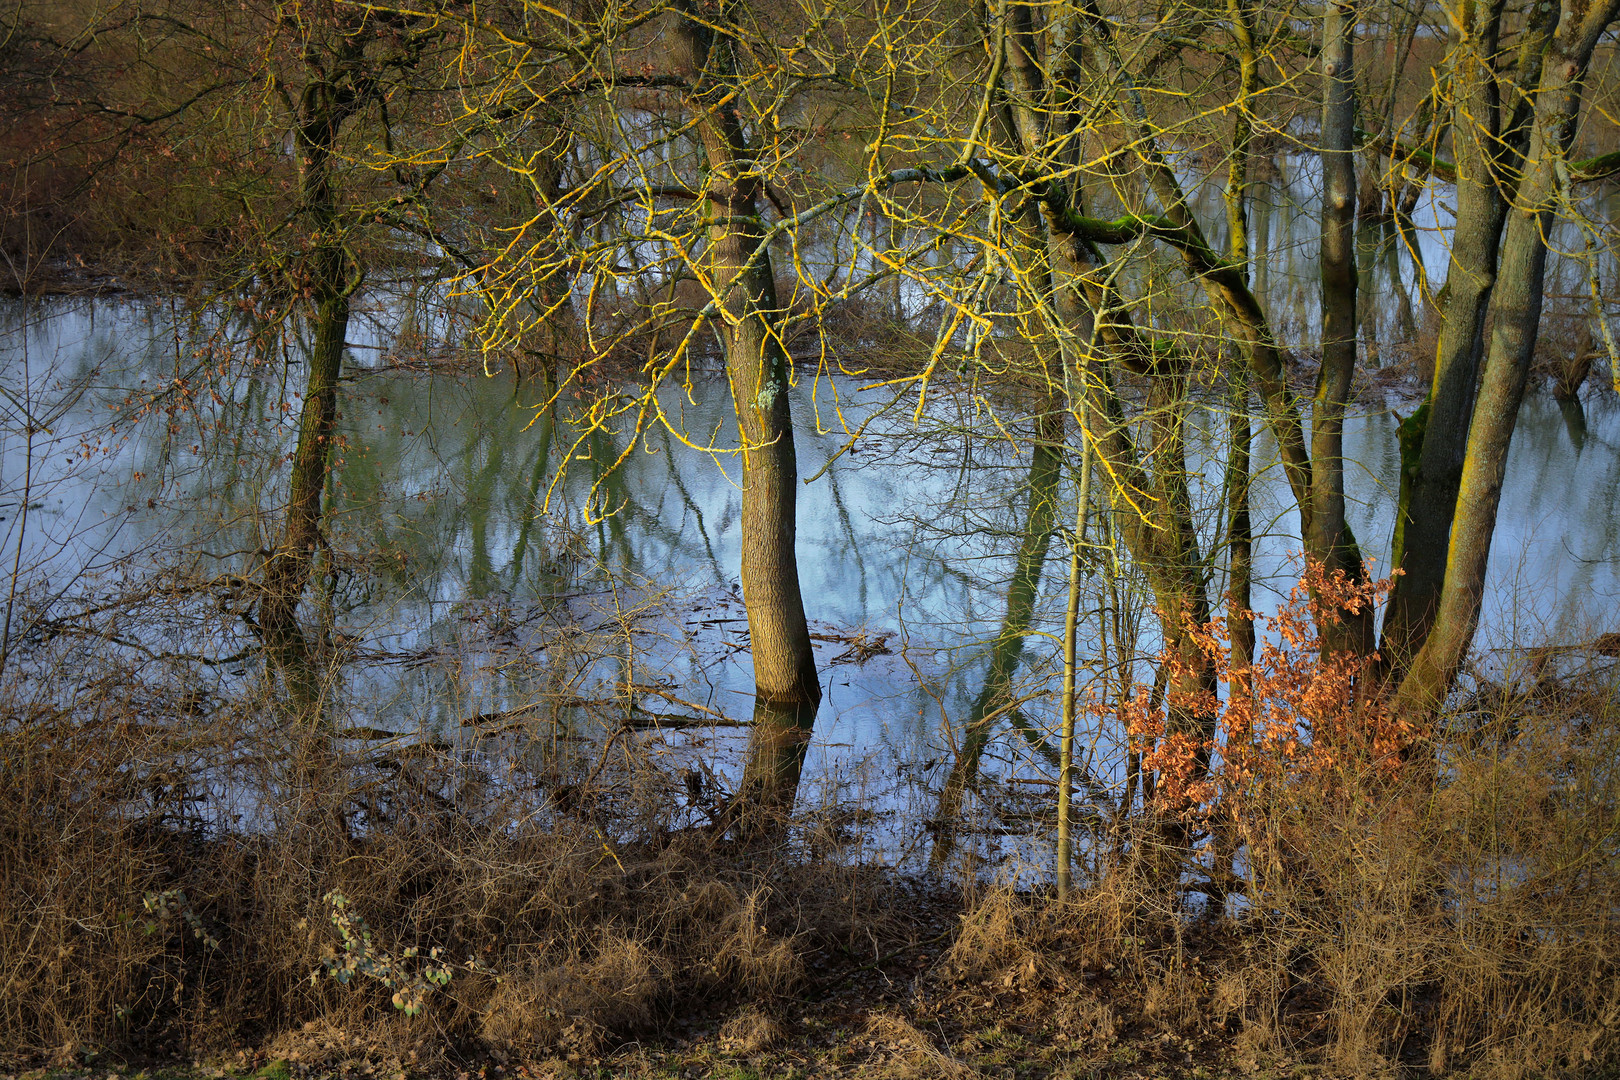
[(485, 560), (494, 568)]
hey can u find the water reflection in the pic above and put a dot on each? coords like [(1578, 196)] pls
[(464, 584)]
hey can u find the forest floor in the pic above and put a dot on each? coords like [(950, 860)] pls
[(879, 1024), (969, 999)]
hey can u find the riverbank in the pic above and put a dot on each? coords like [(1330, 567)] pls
[(450, 801), (901, 1017), (411, 915), (997, 985)]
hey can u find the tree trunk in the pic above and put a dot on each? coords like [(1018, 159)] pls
[(1489, 157), (1239, 539), (333, 280), (1437, 435), (1237, 175), (1327, 535), (1071, 631), (1515, 322), (786, 685)]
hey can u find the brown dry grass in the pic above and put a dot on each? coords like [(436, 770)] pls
[(1468, 922), (921, 1058), (132, 918)]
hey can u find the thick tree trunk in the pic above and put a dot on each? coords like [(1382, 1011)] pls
[(757, 366), (1437, 436), (1491, 127), (1515, 322)]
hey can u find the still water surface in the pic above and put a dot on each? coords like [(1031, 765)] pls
[(460, 550)]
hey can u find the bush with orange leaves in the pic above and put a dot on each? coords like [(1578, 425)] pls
[(1293, 719), (1460, 905)]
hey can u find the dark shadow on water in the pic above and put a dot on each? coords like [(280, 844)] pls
[(776, 753), (1574, 421)]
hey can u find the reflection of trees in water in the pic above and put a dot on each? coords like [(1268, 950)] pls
[(995, 699), (438, 540), (1558, 528)]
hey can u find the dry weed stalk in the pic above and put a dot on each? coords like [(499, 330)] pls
[(923, 1060)]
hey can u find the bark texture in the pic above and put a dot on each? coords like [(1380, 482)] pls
[(1516, 316), (786, 684), (1488, 151), (1327, 534)]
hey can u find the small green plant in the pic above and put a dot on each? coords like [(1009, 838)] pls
[(164, 907), (1125, 1055), (279, 1069), (361, 957)]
